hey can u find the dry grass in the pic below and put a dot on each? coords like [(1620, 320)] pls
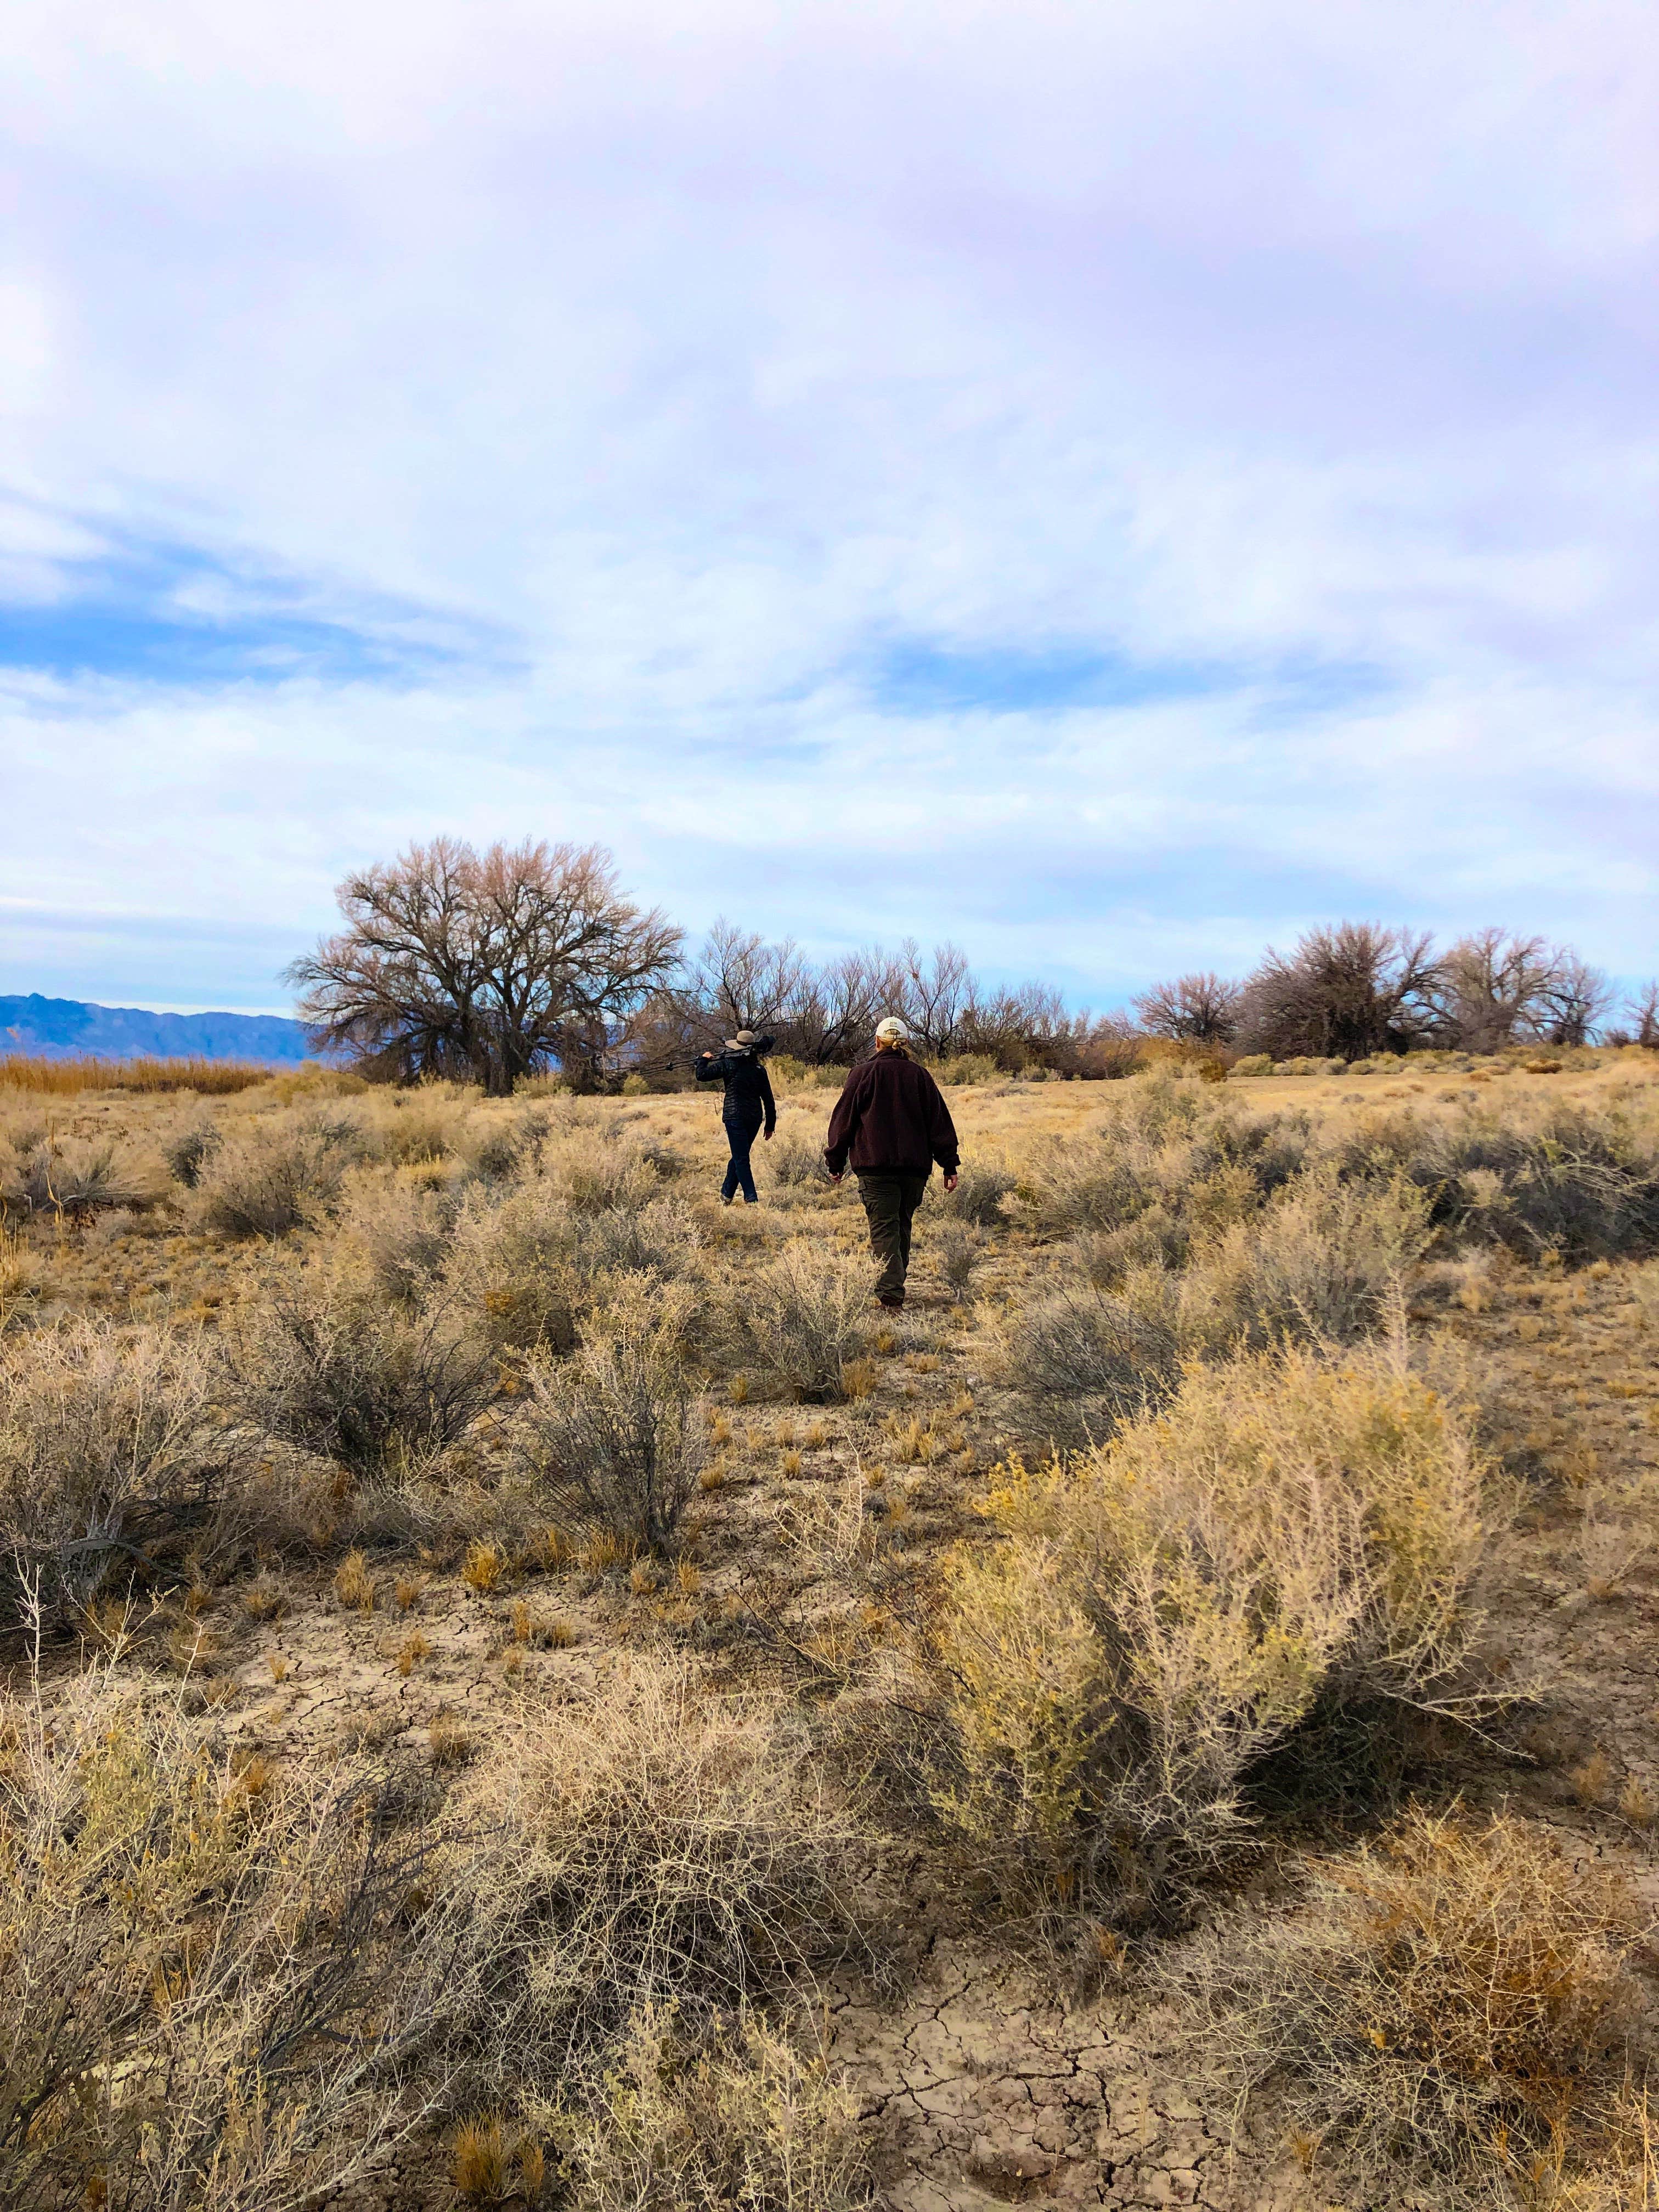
[(210, 1995), (1453, 2006), (1186, 1637), (612, 1438), (734, 2115), (67, 1078), (110, 1441), (664, 1845)]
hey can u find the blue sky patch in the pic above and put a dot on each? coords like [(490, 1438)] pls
[(913, 677), (173, 614)]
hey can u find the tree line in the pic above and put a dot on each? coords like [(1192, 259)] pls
[(488, 967)]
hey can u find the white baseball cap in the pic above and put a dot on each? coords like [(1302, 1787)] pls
[(893, 1029)]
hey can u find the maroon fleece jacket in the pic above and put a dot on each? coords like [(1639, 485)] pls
[(891, 1119)]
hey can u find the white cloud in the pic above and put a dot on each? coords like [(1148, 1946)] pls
[(701, 355)]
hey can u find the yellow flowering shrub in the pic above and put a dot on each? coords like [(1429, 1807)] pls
[(1161, 1611)]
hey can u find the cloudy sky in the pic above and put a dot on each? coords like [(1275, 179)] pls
[(1109, 482)]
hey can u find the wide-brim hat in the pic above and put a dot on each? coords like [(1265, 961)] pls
[(743, 1037)]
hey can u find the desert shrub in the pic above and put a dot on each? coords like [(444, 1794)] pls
[(278, 1175), (796, 1159), (608, 1436), (965, 1067), (187, 1151), (109, 1440), (211, 1993), (592, 1172), (660, 1238), (498, 1142), (734, 2116), (789, 1073), (1254, 1063), (1579, 1181), (1087, 1358), (513, 1269), (1095, 1181), (1165, 1609), (1450, 2007), (659, 1846), (79, 1177), (1319, 1262), (982, 1186), (803, 1318), (400, 1226), (1168, 1147), (425, 1124), (528, 1266), (325, 1363), (1105, 1257), (961, 1248)]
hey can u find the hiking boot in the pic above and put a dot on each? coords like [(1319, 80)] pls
[(893, 1300)]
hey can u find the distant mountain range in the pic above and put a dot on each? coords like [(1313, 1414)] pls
[(63, 1029)]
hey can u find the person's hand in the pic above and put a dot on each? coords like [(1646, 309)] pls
[(769, 1136), (950, 1182), (835, 1178)]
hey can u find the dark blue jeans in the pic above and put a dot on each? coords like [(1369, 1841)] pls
[(741, 1135)]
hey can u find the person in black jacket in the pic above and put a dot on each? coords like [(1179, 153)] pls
[(749, 1104), (891, 1122)]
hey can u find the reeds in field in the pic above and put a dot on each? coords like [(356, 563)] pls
[(63, 1078)]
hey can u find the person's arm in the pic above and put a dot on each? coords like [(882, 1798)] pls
[(769, 1102), (843, 1124), (942, 1134), (707, 1069)]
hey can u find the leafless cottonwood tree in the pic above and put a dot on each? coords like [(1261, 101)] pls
[(1500, 988), (738, 982), (1197, 1009), (482, 965), (1492, 987), (1346, 992), (1575, 999)]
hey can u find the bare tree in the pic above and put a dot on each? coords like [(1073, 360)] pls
[(1642, 1012), (1344, 992), (934, 995), (1492, 989), (482, 965), (1575, 999), (835, 1016), (1197, 1009), (738, 982), (1019, 1026)]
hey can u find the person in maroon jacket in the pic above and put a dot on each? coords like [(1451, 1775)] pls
[(891, 1122)]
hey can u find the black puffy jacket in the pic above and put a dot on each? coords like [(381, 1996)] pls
[(749, 1098)]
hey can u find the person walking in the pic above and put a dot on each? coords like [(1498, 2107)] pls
[(891, 1122), (749, 1105)]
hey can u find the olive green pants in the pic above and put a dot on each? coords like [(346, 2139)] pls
[(890, 1207)]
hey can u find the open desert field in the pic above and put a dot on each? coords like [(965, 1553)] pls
[(522, 1685)]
